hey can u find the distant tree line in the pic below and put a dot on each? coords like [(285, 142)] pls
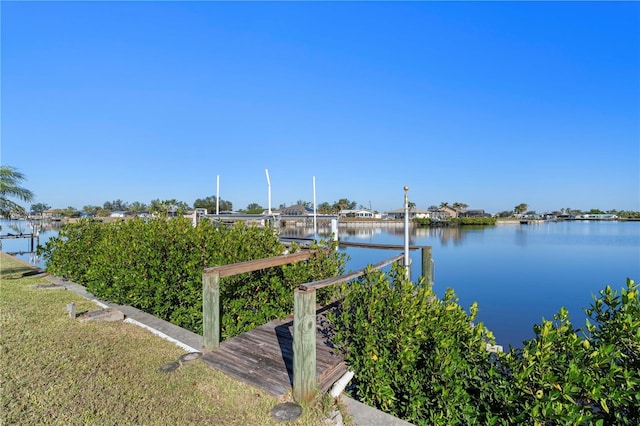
[(210, 203), (11, 189), (159, 206)]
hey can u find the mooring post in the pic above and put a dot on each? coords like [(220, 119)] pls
[(407, 258), (304, 345), (334, 230), (427, 264), (211, 309)]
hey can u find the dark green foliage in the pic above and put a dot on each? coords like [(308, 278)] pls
[(475, 221), (157, 267), (415, 356), (68, 255), (581, 376), (422, 221), (421, 359)]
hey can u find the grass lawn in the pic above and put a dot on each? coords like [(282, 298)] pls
[(54, 370)]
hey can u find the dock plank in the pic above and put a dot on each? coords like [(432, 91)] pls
[(263, 357)]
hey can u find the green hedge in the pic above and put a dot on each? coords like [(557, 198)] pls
[(463, 221), (415, 356), (424, 359), (157, 265)]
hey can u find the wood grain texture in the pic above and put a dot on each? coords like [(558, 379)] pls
[(263, 357)]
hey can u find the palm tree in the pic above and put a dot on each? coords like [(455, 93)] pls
[(521, 208), (10, 180), (460, 206)]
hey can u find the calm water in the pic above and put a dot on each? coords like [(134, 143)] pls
[(518, 274), (20, 247)]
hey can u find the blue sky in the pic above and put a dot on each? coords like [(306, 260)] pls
[(487, 103)]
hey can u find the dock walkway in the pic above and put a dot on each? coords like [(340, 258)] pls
[(263, 357)]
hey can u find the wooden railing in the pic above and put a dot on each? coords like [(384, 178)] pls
[(304, 310), (211, 290), (304, 323)]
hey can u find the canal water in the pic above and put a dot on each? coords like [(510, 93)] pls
[(518, 274)]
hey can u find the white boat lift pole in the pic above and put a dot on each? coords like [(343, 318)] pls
[(268, 190), (315, 223), (217, 194), (407, 258)]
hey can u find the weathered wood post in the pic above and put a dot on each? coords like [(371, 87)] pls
[(211, 309), (427, 264), (304, 345)]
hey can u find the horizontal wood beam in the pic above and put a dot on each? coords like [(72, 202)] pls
[(258, 264), (378, 246), (14, 236), (348, 277)]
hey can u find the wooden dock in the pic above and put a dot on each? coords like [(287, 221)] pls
[(263, 357)]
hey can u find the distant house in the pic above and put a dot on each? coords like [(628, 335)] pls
[(588, 216), (566, 217), (297, 210), (474, 213), (53, 214), (449, 212), (362, 213), (414, 213), (120, 214)]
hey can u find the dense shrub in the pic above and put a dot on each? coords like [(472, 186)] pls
[(157, 266), (463, 221), (425, 360), (422, 221), (74, 247), (415, 356), (584, 376)]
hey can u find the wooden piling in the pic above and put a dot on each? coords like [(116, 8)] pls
[(427, 264), (211, 309), (304, 345)]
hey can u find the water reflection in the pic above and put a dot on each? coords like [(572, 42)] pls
[(387, 233), (521, 236), (445, 234), (31, 233)]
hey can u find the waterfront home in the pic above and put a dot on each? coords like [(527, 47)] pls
[(474, 213), (597, 217), (362, 213), (52, 214), (448, 212), (414, 213), (297, 210), (119, 214)]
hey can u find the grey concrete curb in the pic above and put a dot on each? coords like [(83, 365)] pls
[(363, 415)]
